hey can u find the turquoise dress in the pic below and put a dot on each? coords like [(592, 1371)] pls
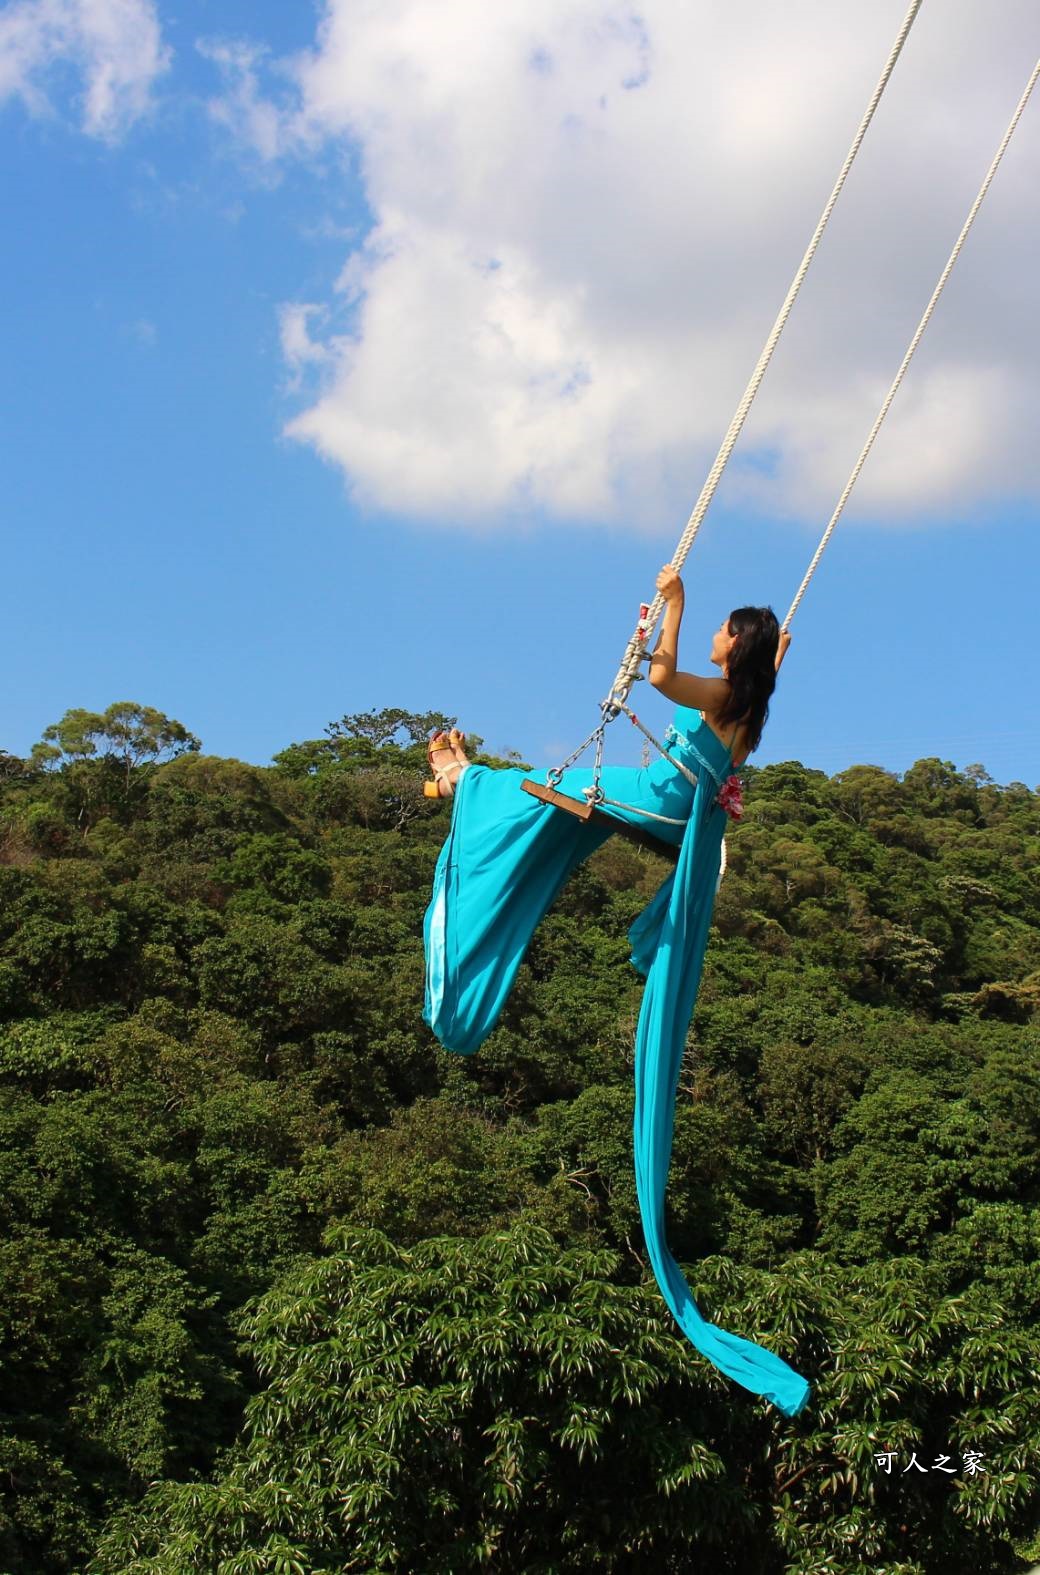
[(505, 859)]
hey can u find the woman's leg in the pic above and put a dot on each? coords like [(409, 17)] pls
[(656, 798), (505, 858)]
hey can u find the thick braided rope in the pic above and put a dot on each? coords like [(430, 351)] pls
[(915, 341), (637, 647)]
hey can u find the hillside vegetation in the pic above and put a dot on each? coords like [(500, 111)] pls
[(284, 1287)]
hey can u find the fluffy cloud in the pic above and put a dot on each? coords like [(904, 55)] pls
[(114, 46), (585, 217)]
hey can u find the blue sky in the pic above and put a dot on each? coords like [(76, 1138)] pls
[(168, 541)]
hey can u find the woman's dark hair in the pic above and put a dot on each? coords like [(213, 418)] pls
[(751, 669)]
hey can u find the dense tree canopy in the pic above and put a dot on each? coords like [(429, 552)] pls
[(285, 1286)]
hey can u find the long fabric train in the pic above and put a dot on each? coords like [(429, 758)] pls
[(505, 859)]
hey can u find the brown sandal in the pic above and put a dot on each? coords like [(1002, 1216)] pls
[(441, 773)]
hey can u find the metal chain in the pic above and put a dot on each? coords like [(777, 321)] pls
[(553, 776)]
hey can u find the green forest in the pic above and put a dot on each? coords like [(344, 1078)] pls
[(286, 1289)]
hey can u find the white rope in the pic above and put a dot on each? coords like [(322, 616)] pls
[(915, 341), (638, 645), (669, 820), (661, 750)]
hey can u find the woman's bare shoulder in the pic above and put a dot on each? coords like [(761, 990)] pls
[(737, 739), (693, 691)]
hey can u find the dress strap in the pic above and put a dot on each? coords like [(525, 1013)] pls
[(732, 736), (688, 746)]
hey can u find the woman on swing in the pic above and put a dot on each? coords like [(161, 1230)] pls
[(748, 648), (507, 855)]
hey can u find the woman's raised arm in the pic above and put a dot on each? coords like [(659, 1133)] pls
[(702, 694)]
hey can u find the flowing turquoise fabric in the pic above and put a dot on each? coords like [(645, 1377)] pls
[(505, 859)]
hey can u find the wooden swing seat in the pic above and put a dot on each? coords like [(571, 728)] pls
[(581, 810)]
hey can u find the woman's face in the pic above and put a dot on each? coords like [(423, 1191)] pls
[(722, 643)]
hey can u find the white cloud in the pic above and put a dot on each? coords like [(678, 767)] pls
[(586, 217), (255, 121), (298, 348), (297, 345), (114, 46)]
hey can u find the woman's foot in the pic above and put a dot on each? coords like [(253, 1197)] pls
[(444, 765), (457, 744)]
